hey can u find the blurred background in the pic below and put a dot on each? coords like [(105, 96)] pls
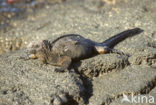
[(18, 9)]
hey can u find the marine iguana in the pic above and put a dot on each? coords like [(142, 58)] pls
[(66, 49)]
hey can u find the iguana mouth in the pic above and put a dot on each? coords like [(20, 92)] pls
[(32, 56)]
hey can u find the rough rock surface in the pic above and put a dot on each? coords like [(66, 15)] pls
[(144, 101), (132, 79), (31, 82), (105, 63), (95, 81)]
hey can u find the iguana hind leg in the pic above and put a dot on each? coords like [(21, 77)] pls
[(105, 49), (102, 49)]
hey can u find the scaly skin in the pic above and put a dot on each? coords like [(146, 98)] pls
[(65, 49)]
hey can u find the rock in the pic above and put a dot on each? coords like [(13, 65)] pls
[(144, 101), (146, 57), (132, 79), (31, 82), (98, 80), (101, 64)]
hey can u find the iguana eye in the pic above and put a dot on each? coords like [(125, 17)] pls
[(32, 51)]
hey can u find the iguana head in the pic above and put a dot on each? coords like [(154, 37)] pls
[(39, 49)]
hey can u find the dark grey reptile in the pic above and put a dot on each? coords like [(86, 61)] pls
[(66, 49)]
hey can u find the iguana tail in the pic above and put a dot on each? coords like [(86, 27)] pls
[(111, 42)]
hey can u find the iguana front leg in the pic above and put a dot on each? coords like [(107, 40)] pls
[(63, 64)]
